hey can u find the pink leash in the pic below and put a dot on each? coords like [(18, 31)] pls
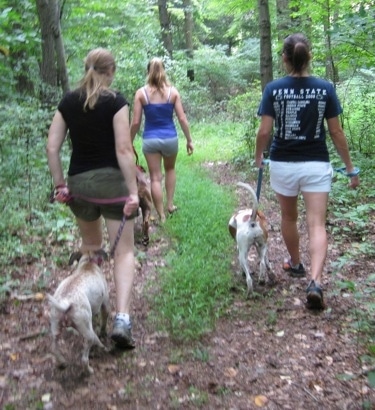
[(100, 201), (118, 236)]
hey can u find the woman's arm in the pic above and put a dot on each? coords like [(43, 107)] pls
[(341, 145), (56, 136), (125, 157), (137, 115), (262, 139), (182, 119)]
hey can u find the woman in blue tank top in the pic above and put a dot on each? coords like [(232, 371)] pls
[(296, 107), (159, 101)]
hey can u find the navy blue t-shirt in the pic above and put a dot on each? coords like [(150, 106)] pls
[(91, 131), (299, 106)]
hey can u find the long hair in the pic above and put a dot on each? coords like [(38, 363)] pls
[(297, 52), (156, 76), (99, 69)]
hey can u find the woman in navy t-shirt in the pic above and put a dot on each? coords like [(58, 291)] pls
[(295, 108)]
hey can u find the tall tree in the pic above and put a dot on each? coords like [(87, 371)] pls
[(266, 74), (165, 24), (53, 67), (188, 26)]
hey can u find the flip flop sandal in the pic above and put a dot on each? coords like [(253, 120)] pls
[(172, 211)]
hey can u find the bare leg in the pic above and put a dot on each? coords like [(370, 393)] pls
[(316, 209), (124, 267), (289, 231), (91, 234), (170, 180), (156, 176)]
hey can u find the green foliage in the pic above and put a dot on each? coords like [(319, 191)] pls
[(358, 99), (19, 35), (27, 217)]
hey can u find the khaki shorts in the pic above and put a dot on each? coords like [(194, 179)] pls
[(103, 183), (291, 178)]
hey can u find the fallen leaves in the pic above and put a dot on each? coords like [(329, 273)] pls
[(260, 400), (173, 369), (230, 372), (34, 296)]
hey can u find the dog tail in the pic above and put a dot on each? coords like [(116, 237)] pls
[(253, 199), (64, 306)]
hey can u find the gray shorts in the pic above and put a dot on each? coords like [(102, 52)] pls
[(103, 183), (165, 147), (290, 178)]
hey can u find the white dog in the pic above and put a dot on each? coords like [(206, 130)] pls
[(77, 299), (248, 227)]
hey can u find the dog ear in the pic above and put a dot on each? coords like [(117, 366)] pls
[(101, 255), (75, 256)]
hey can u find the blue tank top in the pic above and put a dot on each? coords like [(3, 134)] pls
[(159, 119)]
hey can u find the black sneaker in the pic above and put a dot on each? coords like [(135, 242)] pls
[(122, 334), (295, 272), (314, 295)]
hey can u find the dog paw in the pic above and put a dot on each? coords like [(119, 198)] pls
[(262, 281)]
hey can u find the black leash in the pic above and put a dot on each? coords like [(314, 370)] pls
[(260, 178)]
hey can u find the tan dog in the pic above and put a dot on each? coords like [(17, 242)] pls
[(248, 227), (77, 299)]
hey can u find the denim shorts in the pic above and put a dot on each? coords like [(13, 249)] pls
[(291, 178), (103, 183), (166, 147)]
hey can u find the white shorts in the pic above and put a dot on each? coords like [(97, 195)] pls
[(291, 178)]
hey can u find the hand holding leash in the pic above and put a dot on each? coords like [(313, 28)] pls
[(131, 205), (60, 194), (353, 175)]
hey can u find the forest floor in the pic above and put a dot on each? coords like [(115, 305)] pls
[(268, 351)]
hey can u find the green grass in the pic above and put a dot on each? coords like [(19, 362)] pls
[(195, 284)]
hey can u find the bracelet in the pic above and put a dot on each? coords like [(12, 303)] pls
[(352, 174), (60, 186)]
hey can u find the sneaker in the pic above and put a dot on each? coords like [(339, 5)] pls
[(314, 295), (122, 334), (294, 271)]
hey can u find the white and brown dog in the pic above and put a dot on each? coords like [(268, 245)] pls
[(248, 227), (76, 300)]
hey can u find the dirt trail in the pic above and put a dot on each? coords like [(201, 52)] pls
[(266, 352)]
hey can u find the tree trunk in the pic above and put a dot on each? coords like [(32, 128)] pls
[(331, 69), (266, 74), (284, 21), (165, 24), (188, 27), (53, 68)]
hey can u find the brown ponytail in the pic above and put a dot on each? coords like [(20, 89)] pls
[(99, 69)]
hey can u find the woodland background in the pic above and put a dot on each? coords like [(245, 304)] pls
[(220, 55)]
